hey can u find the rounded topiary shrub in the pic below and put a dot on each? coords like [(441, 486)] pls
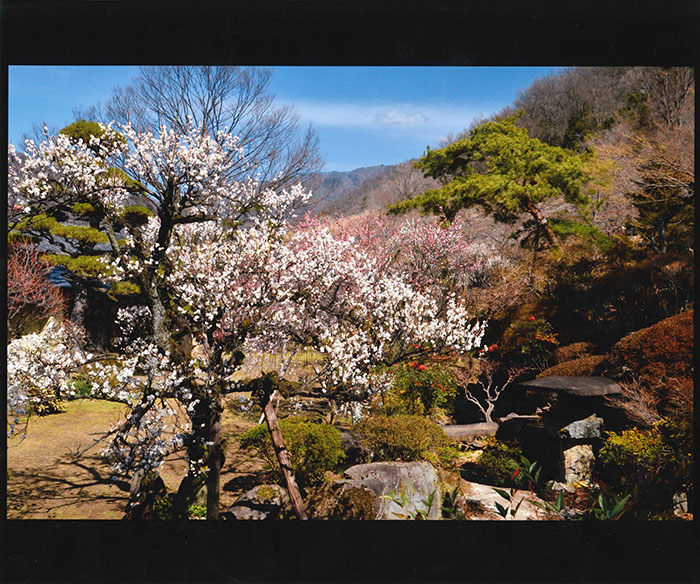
[(406, 438), (313, 447)]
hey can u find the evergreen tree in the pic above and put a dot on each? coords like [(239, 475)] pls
[(72, 232), (500, 168)]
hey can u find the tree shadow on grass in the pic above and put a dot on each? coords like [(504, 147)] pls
[(245, 482), (69, 482)]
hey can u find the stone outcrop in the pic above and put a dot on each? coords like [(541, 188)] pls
[(261, 502), (416, 481), (480, 502), (577, 460)]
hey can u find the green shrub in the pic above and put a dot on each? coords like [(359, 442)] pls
[(499, 463), (80, 385), (651, 464), (419, 388), (313, 447), (405, 437), (197, 511)]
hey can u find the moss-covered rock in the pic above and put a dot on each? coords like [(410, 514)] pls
[(340, 500)]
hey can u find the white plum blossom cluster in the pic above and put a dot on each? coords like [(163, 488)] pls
[(239, 277), (132, 323), (40, 366), (355, 410), (316, 290), (60, 164), (144, 443)]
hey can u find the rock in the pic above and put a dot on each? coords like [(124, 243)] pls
[(578, 463), (416, 481), (261, 502), (341, 500), (590, 428), (145, 488), (680, 504), (355, 451), (468, 432), (200, 499), (481, 503)]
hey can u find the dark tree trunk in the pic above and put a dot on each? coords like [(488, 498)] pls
[(215, 462), (80, 304), (160, 329), (193, 481), (283, 457)]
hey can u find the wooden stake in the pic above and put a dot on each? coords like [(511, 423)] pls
[(283, 457)]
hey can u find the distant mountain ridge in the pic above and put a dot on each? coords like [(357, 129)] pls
[(333, 191)]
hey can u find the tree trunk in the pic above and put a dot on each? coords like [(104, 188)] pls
[(215, 462), (543, 225), (160, 330), (283, 457), (80, 304)]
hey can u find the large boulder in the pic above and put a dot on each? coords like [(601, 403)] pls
[(578, 463), (353, 447), (340, 500), (588, 429), (145, 488), (415, 482), (480, 503), (261, 502)]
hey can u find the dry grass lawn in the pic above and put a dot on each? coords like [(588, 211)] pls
[(46, 481)]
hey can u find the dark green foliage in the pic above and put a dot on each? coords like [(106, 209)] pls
[(314, 448), (80, 385), (665, 203), (405, 438), (87, 266), (530, 342), (48, 407), (611, 509), (651, 464), (498, 464), (501, 169), (136, 214), (565, 228), (601, 300)]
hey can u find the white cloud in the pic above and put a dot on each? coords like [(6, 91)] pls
[(439, 119)]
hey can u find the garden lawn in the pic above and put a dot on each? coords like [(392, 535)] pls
[(46, 481)]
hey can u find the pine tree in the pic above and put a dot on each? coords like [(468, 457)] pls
[(74, 238), (500, 168)]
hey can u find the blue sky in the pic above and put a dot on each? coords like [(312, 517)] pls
[(364, 115)]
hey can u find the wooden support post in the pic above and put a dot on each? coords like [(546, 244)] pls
[(283, 457)]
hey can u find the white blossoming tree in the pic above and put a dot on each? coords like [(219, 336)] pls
[(222, 274)]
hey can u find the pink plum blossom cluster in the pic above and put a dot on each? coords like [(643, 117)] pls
[(430, 253)]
